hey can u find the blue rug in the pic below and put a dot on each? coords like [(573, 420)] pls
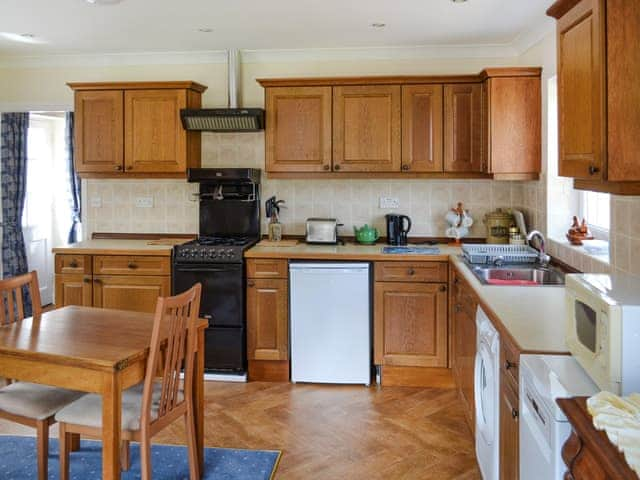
[(18, 462)]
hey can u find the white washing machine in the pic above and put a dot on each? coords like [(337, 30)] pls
[(487, 397), (543, 426)]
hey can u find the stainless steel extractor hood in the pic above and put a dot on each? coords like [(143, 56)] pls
[(232, 119)]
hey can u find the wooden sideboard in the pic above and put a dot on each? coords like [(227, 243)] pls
[(588, 453)]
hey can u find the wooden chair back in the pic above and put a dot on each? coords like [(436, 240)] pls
[(12, 294), (178, 315)]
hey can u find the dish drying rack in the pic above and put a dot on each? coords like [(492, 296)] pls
[(495, 254)]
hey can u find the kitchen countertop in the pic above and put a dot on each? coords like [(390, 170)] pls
[(115, 247), (534, 317)]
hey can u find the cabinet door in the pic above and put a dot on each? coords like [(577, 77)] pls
[(509, 432), (422, 128), (410, 324), (267, 319), (581, 84), (99, 130), (155, 141), (462, 127), (514, 116), (366, 128), (73, 289), (464, 349), (298, 130), (122, 292)]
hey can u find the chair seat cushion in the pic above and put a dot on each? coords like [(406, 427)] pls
[(87, 411), (35, 401)]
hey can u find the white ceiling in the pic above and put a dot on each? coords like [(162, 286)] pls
[(77, 27)]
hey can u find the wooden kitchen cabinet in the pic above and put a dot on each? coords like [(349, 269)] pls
[(366, 128), (509, 432), (73, 289), (268, 320), (511, 121), (422, 128), (598, 118), (125, 282), (410, 324), (99, 131), (122, 292), (462, 128), (298, 129), (133, 129)]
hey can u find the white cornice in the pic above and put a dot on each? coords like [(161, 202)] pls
[(521, 44)]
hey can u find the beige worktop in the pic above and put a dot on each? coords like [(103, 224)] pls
[(534, 317), (115, 247)]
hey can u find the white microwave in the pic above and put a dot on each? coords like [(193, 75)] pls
[(603, 329)]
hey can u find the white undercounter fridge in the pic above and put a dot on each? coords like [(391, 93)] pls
[(330, 307)]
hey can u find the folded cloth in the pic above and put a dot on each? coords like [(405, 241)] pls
[(619, 417)]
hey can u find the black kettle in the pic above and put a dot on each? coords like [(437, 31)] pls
[(397, 228)]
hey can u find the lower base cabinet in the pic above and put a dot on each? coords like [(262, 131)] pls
[(509, 431), (134, 285)]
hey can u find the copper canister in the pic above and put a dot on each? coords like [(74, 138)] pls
[(498, 224)]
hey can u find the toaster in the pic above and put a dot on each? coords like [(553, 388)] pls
[(322, 230)]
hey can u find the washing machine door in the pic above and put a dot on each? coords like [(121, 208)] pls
[(486, 399)]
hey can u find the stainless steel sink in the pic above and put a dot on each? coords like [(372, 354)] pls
[(521, 275)]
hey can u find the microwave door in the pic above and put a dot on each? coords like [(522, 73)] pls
[(586, 326)]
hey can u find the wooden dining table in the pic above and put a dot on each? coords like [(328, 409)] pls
[(92, 350)]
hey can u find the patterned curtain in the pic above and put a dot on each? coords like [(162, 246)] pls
[(74, 182), (13, 158)]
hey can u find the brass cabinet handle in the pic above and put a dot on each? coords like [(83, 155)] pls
[(86, 279), (411, 271), (593, 170), (118, 167), (73, 264), (251, 283), (405, 167), (458, 307), (132, 265), (326, 167), (456, 281), (443, 288), (129, 167), (336, 167), (509, 365), (97, 280), (514, 413)]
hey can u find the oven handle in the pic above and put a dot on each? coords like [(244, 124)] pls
[(200, 268)]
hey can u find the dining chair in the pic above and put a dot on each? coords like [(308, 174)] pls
[(27, 403), (159, 400)]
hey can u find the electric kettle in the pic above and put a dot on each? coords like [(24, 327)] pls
[(397, 228)]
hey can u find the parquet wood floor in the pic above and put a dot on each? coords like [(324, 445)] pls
[(338, 432)]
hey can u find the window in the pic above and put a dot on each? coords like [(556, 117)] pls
[(596, 210)]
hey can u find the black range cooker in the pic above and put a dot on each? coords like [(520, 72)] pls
[(229, 201)]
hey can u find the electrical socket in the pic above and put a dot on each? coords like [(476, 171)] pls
[(95, 202), (144, 202), (389, 202)]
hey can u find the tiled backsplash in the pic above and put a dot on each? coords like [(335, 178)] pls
[(352, 202)]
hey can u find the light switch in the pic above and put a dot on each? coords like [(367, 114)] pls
[(389, 202), (144, 202)]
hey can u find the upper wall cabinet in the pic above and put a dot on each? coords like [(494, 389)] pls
[(462, 131), (422, 128), (598, 93), (298, 129), (405, 127), (366, 128), (134, 129)]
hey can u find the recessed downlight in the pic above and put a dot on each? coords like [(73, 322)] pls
[(103, 2), (377, 25), (459, 1), (22, 37), (205, 30)]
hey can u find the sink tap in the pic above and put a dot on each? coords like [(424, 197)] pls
[(543, 258)]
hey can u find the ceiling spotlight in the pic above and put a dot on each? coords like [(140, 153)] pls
[(205, 30), (459, 1), (103, 2), (378, 25), (21, 37)]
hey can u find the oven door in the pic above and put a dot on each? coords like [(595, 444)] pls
[(222, 300)]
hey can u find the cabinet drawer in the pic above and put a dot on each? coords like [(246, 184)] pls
[(73, 264), (411, 272), (267, 268), (131, 265), (510, 362)]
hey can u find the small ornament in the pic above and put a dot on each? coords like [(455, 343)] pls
[(578, 232)]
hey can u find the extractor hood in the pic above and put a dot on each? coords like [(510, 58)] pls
[(232, 119)]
